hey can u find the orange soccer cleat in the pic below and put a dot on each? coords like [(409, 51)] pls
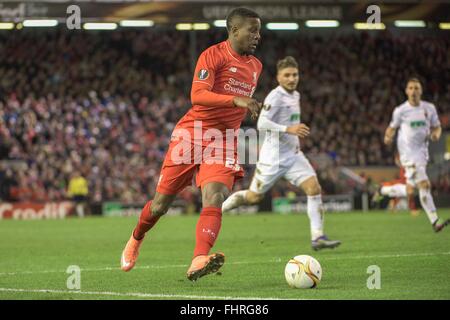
[(130, 254), (203, 265)]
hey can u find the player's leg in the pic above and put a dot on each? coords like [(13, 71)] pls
[(216, 181), (303, 175), (210, 221), (79, 200), (411, 200), (207, 231), (427, 202), (173, 179), (241, 198), (263, 179), (315, 211), (396, 190), (149, 216), (313, 191), (416, 175)]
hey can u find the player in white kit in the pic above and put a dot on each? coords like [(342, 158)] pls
[(280, 155), (418, 122)]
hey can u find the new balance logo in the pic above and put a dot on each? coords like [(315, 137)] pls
[(210, 232), (233, 69)]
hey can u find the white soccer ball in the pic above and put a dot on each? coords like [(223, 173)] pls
[(303, 271)]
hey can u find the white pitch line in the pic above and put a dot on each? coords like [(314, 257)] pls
[(137, 294), (389, 256), (116, 268), (278, 260)]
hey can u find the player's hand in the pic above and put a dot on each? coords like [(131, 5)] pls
[(388, 140), (300, 130), (249, 103), (434, 136)]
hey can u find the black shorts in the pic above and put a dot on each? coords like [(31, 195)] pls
[(79, 199)]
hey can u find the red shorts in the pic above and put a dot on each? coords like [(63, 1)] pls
[(393, 182), (184, 159)]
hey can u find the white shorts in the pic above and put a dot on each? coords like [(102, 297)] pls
[(415, 174), (296, 172)]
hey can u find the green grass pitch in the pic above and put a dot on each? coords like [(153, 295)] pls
[(414, 261)]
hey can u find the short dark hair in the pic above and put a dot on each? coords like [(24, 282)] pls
[(413, 79), (240, 12), (287, 62)]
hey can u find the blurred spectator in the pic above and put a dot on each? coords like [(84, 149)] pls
[(106, 103), (78, 192), (7, 183)]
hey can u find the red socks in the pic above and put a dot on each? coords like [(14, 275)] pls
[(146, 221), (208, 227)]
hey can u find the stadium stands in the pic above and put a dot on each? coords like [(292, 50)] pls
[(106, 103)]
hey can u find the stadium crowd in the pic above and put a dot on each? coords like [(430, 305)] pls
[(104, 104)]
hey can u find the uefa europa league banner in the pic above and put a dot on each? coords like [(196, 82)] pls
[(169, 12)]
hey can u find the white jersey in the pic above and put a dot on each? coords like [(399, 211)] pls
[(283, 109), (415, 123)]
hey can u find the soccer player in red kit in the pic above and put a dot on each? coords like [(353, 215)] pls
[(396, 190), (224, 81)]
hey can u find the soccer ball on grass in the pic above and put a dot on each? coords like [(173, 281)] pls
[(303, 272)]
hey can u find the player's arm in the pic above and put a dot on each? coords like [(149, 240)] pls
[(436, 129), (301, 130), (389, 135), (203, 82), (267, 118), (251, 104), (267, 121), (435, 133), (392, 128)]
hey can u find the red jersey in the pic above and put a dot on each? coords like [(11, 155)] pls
[(401, 178), (220, 75)]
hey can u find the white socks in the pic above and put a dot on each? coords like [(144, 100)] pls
[(394, 191), (80, 210), (315, 210), (235, 200), (426, 200), (315, 214)]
